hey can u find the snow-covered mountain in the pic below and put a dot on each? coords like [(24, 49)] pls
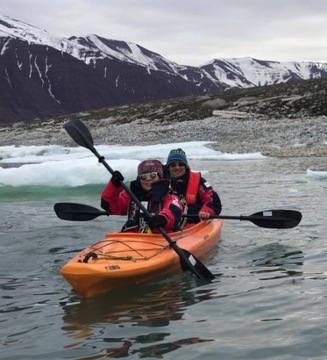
[(42, 75), (248, 72)]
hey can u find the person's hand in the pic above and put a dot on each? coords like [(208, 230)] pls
[(117, 178), (157, 221), (203, 215), (159, 190)]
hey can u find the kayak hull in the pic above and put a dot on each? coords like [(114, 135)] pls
[(122, 259)]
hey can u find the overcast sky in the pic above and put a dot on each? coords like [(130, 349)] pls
[(190, 32)]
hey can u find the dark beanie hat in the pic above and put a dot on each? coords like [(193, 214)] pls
[(177, 155), (150, 166)]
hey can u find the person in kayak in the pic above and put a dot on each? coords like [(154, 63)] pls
[(155, 194), (194, 191)]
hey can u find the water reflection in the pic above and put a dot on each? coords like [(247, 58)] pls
[(278, 261), (151, 350), (147, 306)]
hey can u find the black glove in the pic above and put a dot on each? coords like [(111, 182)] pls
[(117, 177), (159, 190), (157, 221)]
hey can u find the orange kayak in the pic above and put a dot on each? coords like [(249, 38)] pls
[(122, 259)]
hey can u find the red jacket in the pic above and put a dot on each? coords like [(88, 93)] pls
[(157, 201), (198, 193)]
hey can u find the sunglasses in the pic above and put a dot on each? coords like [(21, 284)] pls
[(174, 164), (146, 176)]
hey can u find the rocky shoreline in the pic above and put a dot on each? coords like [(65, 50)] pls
[(272, 137), (287, 119)]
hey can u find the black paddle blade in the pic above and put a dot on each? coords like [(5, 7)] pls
[(276, 219), (79, 133), (77, 212), (197, 269)]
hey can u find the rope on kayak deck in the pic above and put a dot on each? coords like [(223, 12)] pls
[(96, 254)]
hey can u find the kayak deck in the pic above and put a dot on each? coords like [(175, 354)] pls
[(121, 259)]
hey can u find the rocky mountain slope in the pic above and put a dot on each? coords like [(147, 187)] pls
[(280, 120), (42, 76)]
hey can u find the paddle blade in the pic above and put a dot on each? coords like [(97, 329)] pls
[(198, 269), (77, 212), (79, 133), (276, 219)]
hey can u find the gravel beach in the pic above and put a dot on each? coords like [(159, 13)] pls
[(278, 120), (301, 137), (271, 137)]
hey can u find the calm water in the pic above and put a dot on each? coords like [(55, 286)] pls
[(268, 300)]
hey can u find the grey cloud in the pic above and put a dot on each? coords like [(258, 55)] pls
[(190, 32)]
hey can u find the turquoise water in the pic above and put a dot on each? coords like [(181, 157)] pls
[(266, 302)]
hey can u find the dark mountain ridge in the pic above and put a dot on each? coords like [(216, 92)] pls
[(42, 76)]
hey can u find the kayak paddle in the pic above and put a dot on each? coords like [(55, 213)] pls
[(82, 136), (77, 212), (272, 219)]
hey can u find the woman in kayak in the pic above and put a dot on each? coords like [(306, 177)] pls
[(155, 194), (194, 191)]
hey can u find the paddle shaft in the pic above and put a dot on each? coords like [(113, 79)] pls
[(278, 219), (241, 217), (271, 219)]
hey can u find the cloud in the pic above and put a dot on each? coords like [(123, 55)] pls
[(190, 32)]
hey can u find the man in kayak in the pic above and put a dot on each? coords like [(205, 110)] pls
[(155, 194), (196, 193)]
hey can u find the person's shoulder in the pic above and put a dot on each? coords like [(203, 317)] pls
[(195, 174), (163, 183)]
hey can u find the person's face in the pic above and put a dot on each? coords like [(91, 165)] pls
[(177, 169), (147, 179)]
